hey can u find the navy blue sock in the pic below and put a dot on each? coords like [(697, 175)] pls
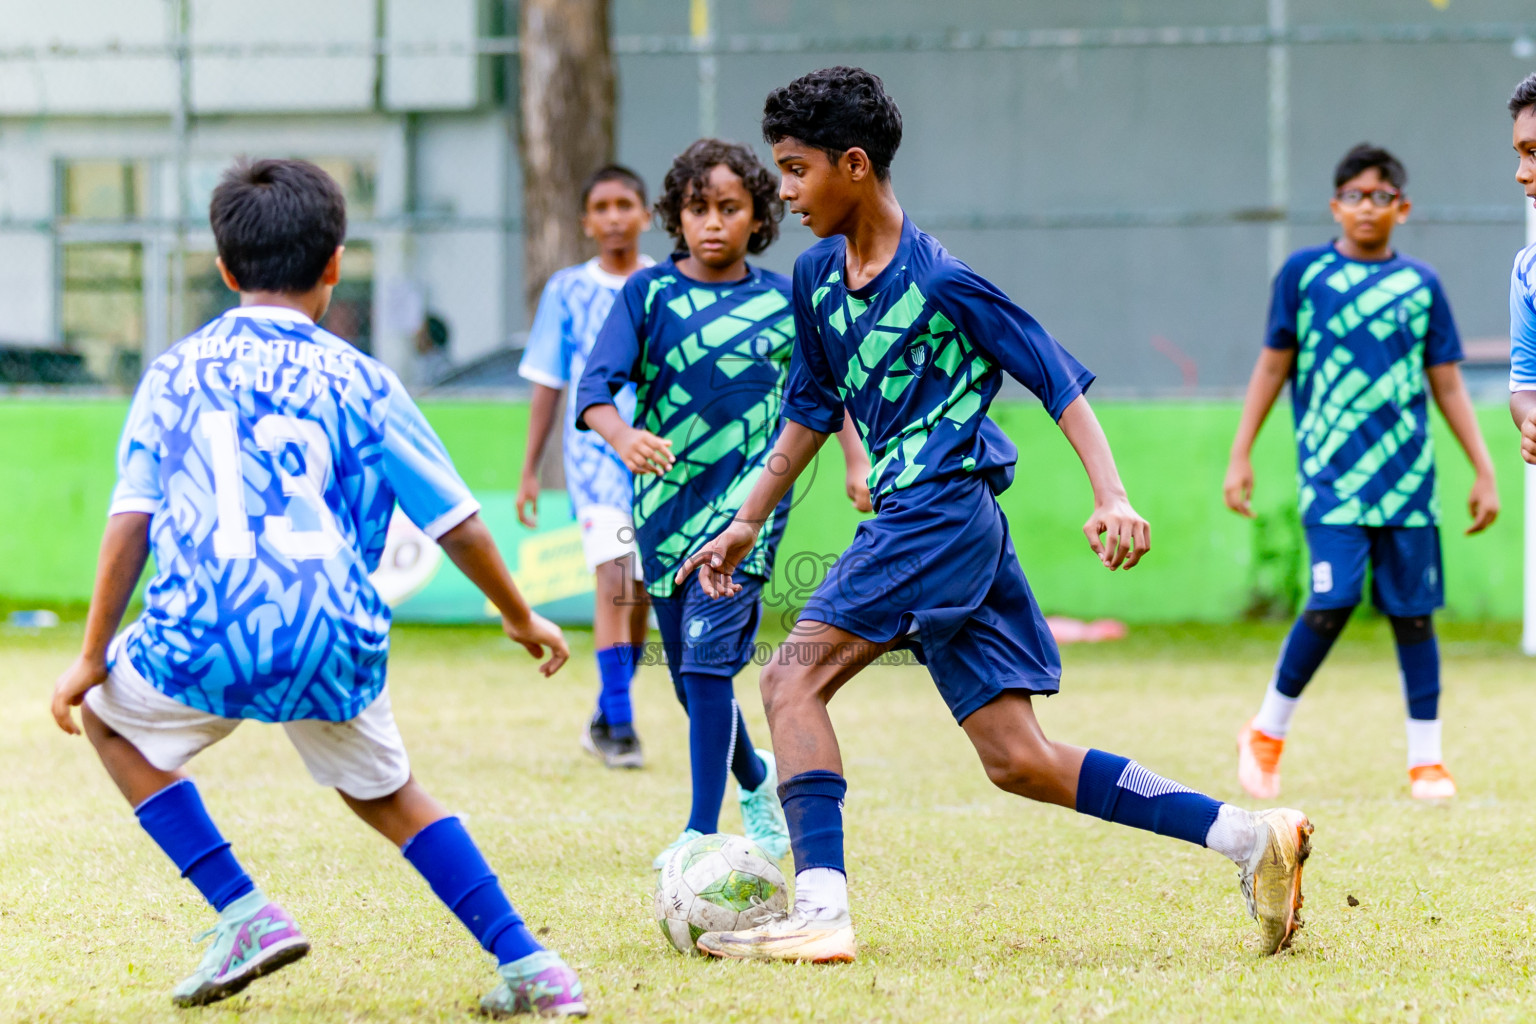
[(749, 769), (616, 668), (1307, 644), (452, 865), (716, 738), (813, 810), (1120, 790), (1420, 663), (176, 819)]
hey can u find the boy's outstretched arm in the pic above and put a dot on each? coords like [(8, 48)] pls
[(124, 550), (796, 447), (543, 409), (1269, 376), (470, 547), (856, 482), (1450, 392), (1126, 536)]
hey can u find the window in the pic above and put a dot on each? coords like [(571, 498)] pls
[(104, 189), (206, 295), (103, 307)]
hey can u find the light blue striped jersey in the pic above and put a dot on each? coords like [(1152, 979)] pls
[(269, 454)]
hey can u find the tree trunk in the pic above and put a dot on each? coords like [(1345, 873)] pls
[(567, 127)]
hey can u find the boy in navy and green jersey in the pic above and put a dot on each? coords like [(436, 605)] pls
[(705, 338), (1359, 330), (914, 344)]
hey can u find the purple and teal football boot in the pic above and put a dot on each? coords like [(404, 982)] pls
[(540, 983), (253, 937)]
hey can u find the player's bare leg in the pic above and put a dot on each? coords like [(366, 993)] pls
[(1269, 847), (253, 935), (807, 670), (136, 778)]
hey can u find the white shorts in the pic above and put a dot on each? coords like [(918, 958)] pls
[(364, 758), (607, 533)]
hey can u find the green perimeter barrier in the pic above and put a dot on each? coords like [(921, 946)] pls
[(1206, 564)]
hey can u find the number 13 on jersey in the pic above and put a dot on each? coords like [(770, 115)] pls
[(273, 433)]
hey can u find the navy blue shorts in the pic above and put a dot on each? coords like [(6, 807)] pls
[(1406, 578), (936, 568), (708, 636)]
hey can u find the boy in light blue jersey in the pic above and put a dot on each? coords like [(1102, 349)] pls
[(261, 462), (1522, 279), (571, 310), (1364, 334)]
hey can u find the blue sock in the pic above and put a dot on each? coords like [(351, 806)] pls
[(1305, 648), (813, 810), (749, 769), (616, 668), (717, 743), (1420, 663), (1120, 790), (176, 819), (452, 865)]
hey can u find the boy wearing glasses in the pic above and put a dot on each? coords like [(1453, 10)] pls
[(1359, 329)]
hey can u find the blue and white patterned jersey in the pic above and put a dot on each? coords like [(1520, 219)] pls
[(571, 312), (269, 454), (1522, 321)]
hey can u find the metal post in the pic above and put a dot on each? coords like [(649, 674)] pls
[(181, 115), (702, 31), (1279, 136)]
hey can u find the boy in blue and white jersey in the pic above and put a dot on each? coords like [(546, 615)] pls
[(913, 343), (571, 311), (1522, 279), (261, 462), (1364, 335)]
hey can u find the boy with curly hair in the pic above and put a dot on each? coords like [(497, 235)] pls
[(705, 338)]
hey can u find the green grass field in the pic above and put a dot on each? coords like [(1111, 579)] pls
[(971, 905)]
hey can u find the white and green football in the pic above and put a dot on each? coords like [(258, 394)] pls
[(716, 883)]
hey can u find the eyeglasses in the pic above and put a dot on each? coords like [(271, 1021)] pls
[(1379, 197)]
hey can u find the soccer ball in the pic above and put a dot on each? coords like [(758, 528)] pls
[(716, 883)]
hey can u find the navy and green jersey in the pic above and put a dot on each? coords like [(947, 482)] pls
[(708, 363), (916, 356), (1363, 334)]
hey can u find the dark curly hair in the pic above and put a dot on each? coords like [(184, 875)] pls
[(690, 170), (834, 110), (1524, 96)]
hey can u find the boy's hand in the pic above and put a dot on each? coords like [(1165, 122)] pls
[(528, 501), (1238, 486), (717, 560), (856, 486), (1528, 439), (535, 634), (71, 687), (1483, 502), (644, 452), (1126, 536)]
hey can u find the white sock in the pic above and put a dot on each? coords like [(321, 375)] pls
[(821, 894), (1424, 742), (1274, 717), (1233, 834)]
